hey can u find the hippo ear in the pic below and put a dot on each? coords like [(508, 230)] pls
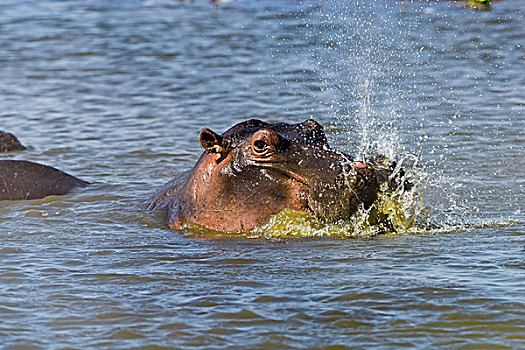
[(315, 131), (210, 141)]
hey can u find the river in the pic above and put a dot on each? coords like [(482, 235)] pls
[(115, 92)]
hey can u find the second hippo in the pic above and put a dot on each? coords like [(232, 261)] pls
[(21, 179), (256, 169)]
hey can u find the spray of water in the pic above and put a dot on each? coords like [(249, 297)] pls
[(366, 72), (401, 206)]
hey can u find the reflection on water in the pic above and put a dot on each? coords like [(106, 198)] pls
[(116, 93)]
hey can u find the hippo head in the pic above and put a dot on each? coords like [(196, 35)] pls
[(9, 142), (257, 169)]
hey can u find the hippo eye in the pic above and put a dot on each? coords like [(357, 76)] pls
[(264, 143), (260, 146)]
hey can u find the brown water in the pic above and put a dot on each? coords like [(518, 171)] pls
[(116, 92)]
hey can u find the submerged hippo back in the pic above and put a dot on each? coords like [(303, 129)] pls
[(21, 179), (9, 142)]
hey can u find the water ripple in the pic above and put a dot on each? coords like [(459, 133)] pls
[(116, 93)]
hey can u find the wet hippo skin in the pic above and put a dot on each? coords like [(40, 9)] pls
[(257, 169), (9, 142), (20, 179)]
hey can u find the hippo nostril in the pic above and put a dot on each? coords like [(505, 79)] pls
[(359, 165)]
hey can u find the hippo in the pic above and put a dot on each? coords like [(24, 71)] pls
[(20, 179), (9, 142), (256, 169)]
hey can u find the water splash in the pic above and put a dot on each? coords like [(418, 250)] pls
[(427, 206), (368, 75), (364, 73), (398, 210)]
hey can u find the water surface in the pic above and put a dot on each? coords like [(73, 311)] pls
[(116, 93)]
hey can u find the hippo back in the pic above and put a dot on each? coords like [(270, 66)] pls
[(21, 179)]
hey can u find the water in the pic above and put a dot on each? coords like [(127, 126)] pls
[(116, 93)]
